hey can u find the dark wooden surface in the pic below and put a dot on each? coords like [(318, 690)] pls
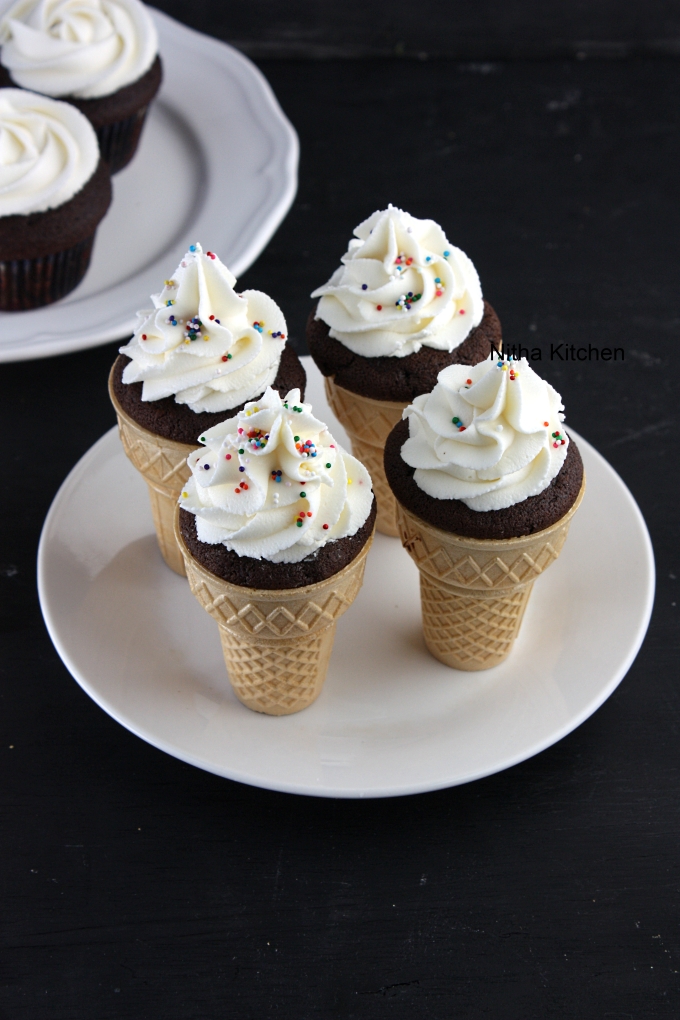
[(134, 886)]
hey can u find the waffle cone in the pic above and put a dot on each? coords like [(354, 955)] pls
[(276, 643), (163, 463), (368, 423), (474, 591)]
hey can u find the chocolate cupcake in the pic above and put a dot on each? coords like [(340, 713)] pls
[(101, 57), (403, 306), (195, 359), (486, 481), (54, 191), (275, 523)]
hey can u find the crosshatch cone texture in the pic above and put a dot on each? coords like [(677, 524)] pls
[(277, 643), (474, 591), (163, 464), (368, 423)]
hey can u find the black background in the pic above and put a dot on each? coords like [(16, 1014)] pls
[(544, 138)]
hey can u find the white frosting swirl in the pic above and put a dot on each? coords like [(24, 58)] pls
[(203, 343), (402, 286), (48, 151), (490, 435), (80, 48), (273, 484)]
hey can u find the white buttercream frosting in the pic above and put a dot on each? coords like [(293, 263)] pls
[(490, 435), (273, 484), (204, 344), (80, 48), (48, 151), (401, 286)]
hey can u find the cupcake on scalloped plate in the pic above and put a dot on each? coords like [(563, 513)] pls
[(198, 356), (404, 304), (54, 192), (275, 524), (486, 482), (99, 55)]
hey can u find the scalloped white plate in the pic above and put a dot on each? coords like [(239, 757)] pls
[(391, 719), (217, 163)]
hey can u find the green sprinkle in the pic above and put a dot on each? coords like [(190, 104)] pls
[(299, 524), (241, 451), (202, 439), (303, 494), (296, 439), (455, 421), (328, 465)]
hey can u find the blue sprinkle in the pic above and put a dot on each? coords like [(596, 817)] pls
[(207, 467), (428, 259), (241, 469), (192, 247), (364, 286), (446, 254), (437, 279)]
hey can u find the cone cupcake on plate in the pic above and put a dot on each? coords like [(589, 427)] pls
[(487, 482), (275, 524), (197, 357), (404, 304)]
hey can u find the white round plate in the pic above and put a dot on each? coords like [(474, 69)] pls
[(217, 164), (391, 719)]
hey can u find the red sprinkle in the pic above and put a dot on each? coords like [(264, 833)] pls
[(237, 491), (325, 527), (282, 335), (379, 308), (225, 358), (462, 428), (143, 336), (309, 513), (212, 317), (462, 311), (228, 457), (469, 382), (545, 423)]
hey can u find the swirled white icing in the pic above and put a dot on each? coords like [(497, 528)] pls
[(490, 435), (401, 286), (80, 48), (273, 484), (204, 344), (48, 151)]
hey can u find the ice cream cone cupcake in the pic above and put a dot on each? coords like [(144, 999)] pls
[(486, 482), (196, 358), (405, 304), (274, 525)]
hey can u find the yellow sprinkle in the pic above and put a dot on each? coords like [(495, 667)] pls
[(185, 495), (349, 481), (505, 368), (170, 283), (206, 337), (187, 341)]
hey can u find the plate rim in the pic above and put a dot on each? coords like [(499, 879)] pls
[(280, 133), (325, 791)]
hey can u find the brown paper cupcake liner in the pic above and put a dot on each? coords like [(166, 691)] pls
[(33, 283), (118, 141)]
